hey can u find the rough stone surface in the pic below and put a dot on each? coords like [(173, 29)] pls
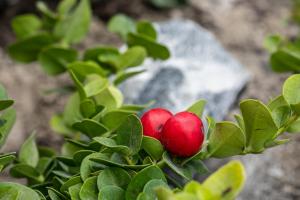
[(199, 68)]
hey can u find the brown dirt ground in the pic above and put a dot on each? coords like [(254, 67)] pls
[(240, 25)]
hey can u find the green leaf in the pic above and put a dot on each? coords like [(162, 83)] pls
[(57, 124), (291, 92), (272, 43), (130, 134), (286, 59), (68, 28), (70, 182), (87, 108), (65, 6), (89, 190), (112, 145), (81, 154), (79, 86), (114, 163), (74, 191), (109, 119), (199, 190), (72, 112), (133, 57), (26, 171), (146, 29), (83, 69), (153, 147), (9, 117), (227, 182), (4, 104), (154, 49), (29, 153), (259, 125), (197, 108), (121, 24), (123, 76), (56, 195), (226, 140), (43, 8), (93, 54), (26, 25), (181, 171), (5, 160), (15, 191), (28, 49), (136, 108), (90, 127), (111, 98), (87, 166), (294, 127), (151, 186), (113, 176), (141, 179), (54, 60), (111, 193), (96, 85)]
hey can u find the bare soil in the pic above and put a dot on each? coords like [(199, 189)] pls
[(240, 25)]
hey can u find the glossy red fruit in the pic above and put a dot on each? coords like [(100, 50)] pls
[(154, 120), (183, 134)]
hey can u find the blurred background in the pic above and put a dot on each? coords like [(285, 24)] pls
[(240, 26)]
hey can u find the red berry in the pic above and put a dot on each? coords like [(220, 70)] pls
[(154, 120), (183, 134)]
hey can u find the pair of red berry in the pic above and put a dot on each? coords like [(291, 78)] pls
[(181, 134)]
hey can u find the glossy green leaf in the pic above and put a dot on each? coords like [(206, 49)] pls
[(130, 134), (133, 57), (151, 186), (294, 127), (153, 147), (97, 85), (70, 182), (111, 98), (56, 195), (90, 127), (114, 163), (15, 191), (43, 164), (226, 140), (197, 108), (141, 179), (147, 29), (89, 190), (123, 76), (109, 119), (286, 59), (29, 153), (54, 60), (88, 166), (199, 190), (291, 92), (83, 69), (4, 104), (259, 125), (81, 154), (112, 145), (26, 25), (67, 28), (226, 182), (74, 191), (122, 25), (113, 176), (6, 159), (154, 49), (9, 118), (111, 192), (28, 49), (26, 171), (72, 112), (94, 53), (181, 171), (87, 108)]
